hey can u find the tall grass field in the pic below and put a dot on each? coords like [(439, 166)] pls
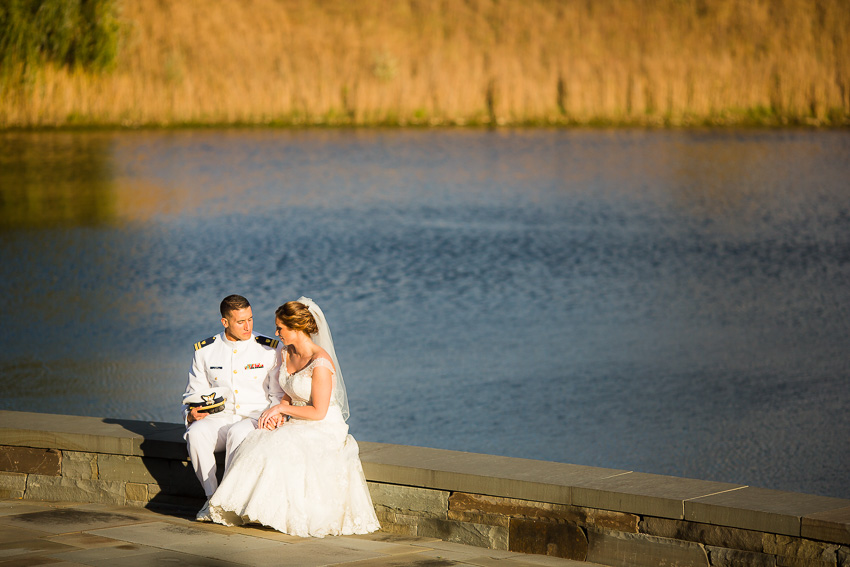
[(424, 62)]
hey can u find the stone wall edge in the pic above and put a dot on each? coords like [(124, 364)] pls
[(450, 471)]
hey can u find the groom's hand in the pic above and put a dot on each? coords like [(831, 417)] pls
[(195, 415)]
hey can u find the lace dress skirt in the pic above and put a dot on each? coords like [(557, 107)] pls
[(304, 478)]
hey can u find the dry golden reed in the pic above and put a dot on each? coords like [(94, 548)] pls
[(622, 62)]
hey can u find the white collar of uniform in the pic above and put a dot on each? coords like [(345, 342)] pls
[(239, 345)]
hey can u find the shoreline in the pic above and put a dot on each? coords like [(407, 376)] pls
[(290, 126), (284, 63)]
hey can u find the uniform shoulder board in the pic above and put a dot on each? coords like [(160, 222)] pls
[(267, 341), (205, 342)]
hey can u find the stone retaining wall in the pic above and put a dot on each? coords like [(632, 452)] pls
[(604, 516)]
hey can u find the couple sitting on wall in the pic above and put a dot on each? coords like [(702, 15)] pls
[(279, 411)]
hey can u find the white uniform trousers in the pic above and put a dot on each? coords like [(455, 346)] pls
[(219, 431)]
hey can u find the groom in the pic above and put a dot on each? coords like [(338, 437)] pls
[(245, 366)]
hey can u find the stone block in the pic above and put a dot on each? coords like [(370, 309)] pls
[(93, 434), (30, 460), (718, 536), (398, 529), (644, 494), (722, 557), (479, 535), (74, 490), (9, 494), (129, 469), (423, 501), (479, 518), (513, 507), (66, 432), (639, 550), (831, 525), (794, 551), (760, 509), (463, 501), (79, 465), (136, 492), (13, 480), (608, 520), (174, 477), (161, 440), (797, 562), (544, 537), (475, 473), (12, 484), (395, 523), (843, 556)]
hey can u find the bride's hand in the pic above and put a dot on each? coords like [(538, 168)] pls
[(269, 418)]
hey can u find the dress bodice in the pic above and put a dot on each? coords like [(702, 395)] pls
[(299, 384)]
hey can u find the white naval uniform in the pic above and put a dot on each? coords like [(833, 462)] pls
[(249, 371)]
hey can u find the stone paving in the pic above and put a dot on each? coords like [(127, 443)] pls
[(71, 533)]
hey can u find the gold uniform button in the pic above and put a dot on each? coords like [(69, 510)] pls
[(234, 350), (234, 372), (237, 406), (235, 391), (216, 378)]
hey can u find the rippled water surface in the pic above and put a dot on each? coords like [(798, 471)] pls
[(663, 301)]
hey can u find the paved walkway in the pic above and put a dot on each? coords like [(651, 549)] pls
[(56, 533)]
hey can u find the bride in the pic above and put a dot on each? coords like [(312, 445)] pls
[(300, 471)]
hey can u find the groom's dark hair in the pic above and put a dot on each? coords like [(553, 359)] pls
[(232, 303)]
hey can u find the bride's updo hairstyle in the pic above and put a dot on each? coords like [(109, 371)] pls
[(296, 316)]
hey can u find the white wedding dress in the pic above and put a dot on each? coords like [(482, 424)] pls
[(303, 478)]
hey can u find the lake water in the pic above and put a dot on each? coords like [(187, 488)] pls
[(672, 302)]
